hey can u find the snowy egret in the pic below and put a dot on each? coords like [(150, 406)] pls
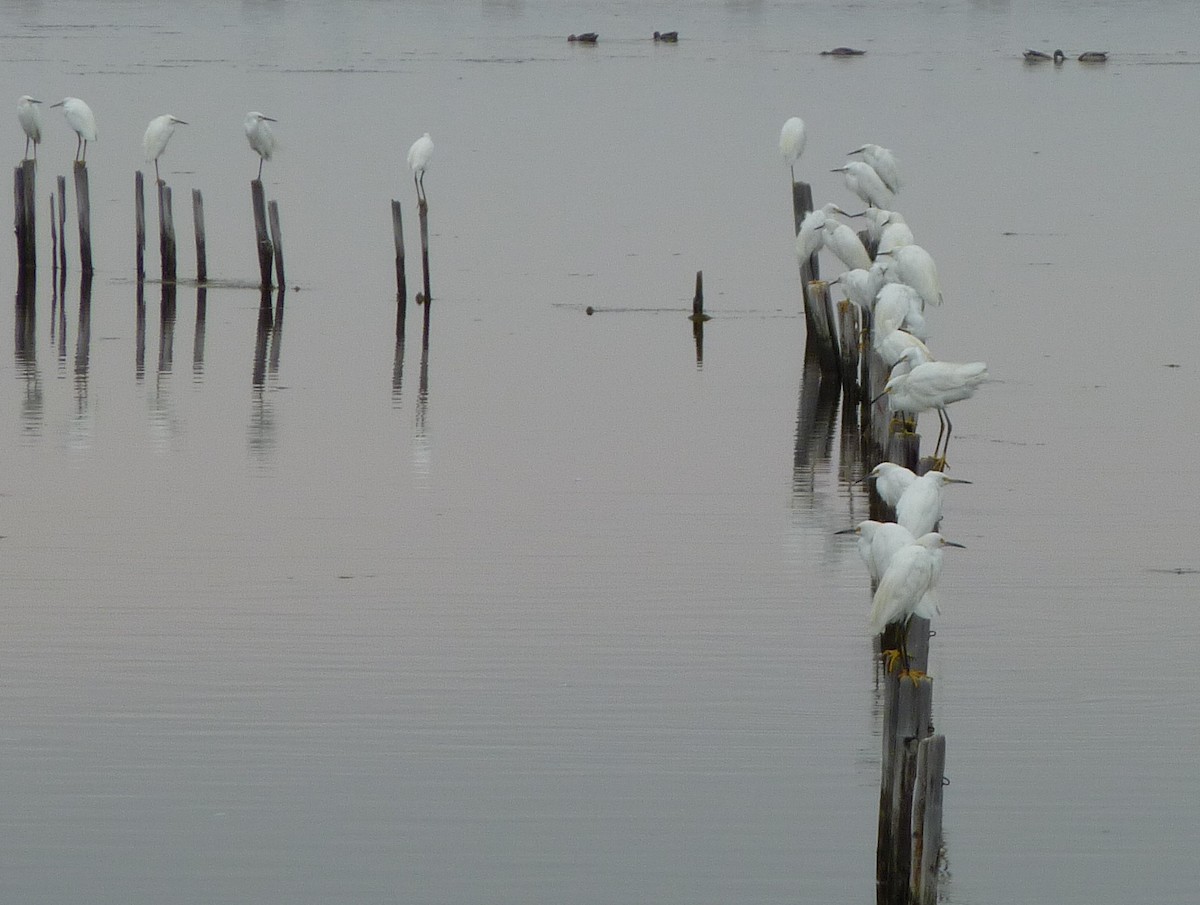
[(792, 139), (845, 243), (894, 232), (891, 480), (79, 117), (419, 156), (878, 543), (863, 181), (861, 286), (934, 385), (908, 587), (899, 306), (883, 162), (894, 348), (30, 118), (1093, 56), (810, 239), (260, 136), (919, 508), (158, 133), (913, 266)]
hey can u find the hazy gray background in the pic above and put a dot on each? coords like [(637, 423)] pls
[(568, 627)]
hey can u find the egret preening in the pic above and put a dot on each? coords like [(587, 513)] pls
[(891, 480), (878, 543), (883, 162), (810, 239), (934, 385), (900, 351), (158, 133), (845, 243), (908, 587), (30, 118), (791, 142), (260, 136), (893, 232), (919, 508), (79, 117), (419, 156), (913, 266), (861, 286), (862, 179), (897, 306)]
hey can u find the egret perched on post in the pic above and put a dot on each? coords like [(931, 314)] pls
[(907, 588), (845, 243), (900, 350), (419, 156), (883, 162), (260, 136), (79, 117), (878, 543), (891, 480), (861, 286), (898, 305), (792, 140), (810, 238), (934, 385), (919, 508), (31, 122), (913, 266), (158, 133), (862, 179)]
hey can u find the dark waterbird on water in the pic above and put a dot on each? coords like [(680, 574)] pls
[(1093, 56), (842, 52), (588, 37), (1038, 56), (666, 37)]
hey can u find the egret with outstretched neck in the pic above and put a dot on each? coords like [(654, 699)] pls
[(79, 117)]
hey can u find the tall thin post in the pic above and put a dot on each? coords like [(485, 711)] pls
[(24, 206), (166, 233), (84, 209), (261, 238), (139, 222), (62, 225), (927, 820), (53, 235), (423, 215), (277, 240), (198, 224), (401, 279)]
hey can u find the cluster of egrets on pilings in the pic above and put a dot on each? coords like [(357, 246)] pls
[(873, 342)]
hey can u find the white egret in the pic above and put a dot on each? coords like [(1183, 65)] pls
[(861, 286), (79, 117), (419, 156), (863, 181), (934, 385), (883, 162), (845, 243), (30, 118), (899, 350), (810, 238), (908, 587), (919, 508), (878, 543), (899, 306), (891, 480), (913, 266), (792, 140), (158, 133), (894, 233), (260, 136)]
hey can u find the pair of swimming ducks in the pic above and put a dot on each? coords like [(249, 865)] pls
[(1090, 56)]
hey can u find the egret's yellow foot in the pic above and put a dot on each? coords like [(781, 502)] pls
[(890, 657), (916, 675)]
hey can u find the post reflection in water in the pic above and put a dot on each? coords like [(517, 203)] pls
[(698, 336), (421, 447), (59, 296), (81, 427), (198, 339), (166, 333), (816, 421), (25, 348), (268, 337), (398, 361), (139, 350)]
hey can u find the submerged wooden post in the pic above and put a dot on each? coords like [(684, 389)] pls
[(907, 715), (166, 233), (24, 209), (62, 224), (84, 210), (423, 215), (277, 241), (201, 242), (139, 222), (927, 820), (262, 240), (401, 279)]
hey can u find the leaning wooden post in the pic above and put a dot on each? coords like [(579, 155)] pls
[(262, 240), (277, 241), (423, 215), (62, 224), (166, 233), (84, 209), (401, 279), (139, 222), (927, 820), (201, 244)]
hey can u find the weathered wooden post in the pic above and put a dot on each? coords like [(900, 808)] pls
[(24, 209), (848, 345), (139, 223), (84, 210), (277, 241), (907, 713), (822, 338), (401, 279), (62, 225), (927, 820), (53, 236), (261, 238), (166, 233), (83, 340), (423, 216), (698, 299), (201, 242)]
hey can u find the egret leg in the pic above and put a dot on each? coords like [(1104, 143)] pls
[(85, 150), (260, 163), (908, 672), (27, 146), (157, 178), (78, 145)]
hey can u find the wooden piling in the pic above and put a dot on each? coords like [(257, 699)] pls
[(277, 241), (84, 210), (139, 223), (139, 349), (423, 216), (822, 336), (53, 236), (401, 279), (62, 225), (198, 335), (166, 233), (261, 238), (201, 242), (848, 347), (908, 711), (927, 820), (24, 210)]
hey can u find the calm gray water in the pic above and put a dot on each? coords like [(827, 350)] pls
[(547, 613)]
